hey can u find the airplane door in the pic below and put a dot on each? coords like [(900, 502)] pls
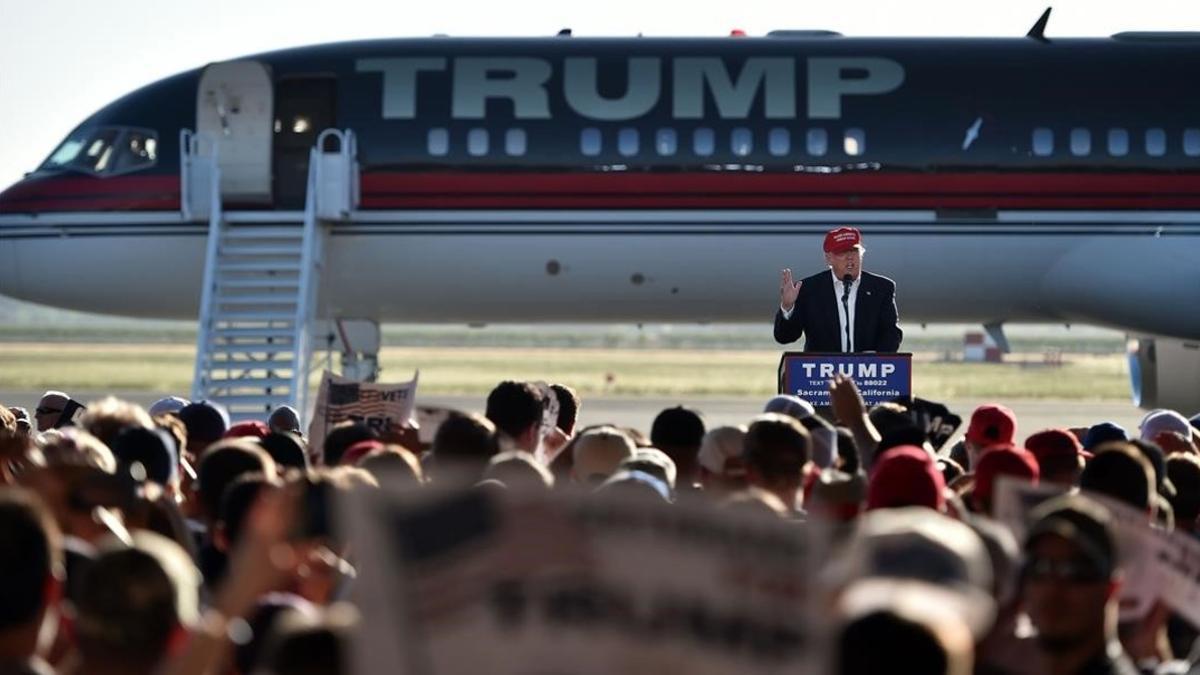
[(305, 108), (235, 107)]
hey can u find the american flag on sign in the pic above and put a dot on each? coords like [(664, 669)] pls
[(373, 403)]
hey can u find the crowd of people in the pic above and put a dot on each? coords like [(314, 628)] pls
[(168, 540)]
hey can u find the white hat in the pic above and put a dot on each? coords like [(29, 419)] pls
[(170, 404), (599, 452), (719, 446)]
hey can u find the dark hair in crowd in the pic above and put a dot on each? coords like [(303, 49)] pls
[(341, 437), (1121, 472), (878, 642), (777, 447), (514, 406), (568, 407), (222, 464), (30, 552), (465, 438)]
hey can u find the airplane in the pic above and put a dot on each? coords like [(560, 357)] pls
[(629, 179)]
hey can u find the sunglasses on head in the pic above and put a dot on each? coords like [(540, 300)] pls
[(1072, 571)]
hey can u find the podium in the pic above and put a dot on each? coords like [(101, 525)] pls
[(879, 377)]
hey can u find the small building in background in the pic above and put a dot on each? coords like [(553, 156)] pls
[(978, 347)]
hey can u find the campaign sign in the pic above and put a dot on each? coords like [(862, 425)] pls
[(879, 377)]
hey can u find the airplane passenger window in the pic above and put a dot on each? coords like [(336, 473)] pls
[(741, 141), (438, 142), (1156, 142), (703, 142), (514, 142), (817, 142), (779, 142), (1118, 142), (1191, 142), (1043, 142), (665, 142), (589, 142), (1081, 142), (477, 142), (854, 142), (627, 142)]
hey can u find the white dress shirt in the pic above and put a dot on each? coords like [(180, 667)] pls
[(838, 287)]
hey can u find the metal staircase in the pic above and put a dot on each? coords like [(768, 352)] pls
[(259, 298)]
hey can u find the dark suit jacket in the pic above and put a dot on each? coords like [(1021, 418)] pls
[(816, 316)]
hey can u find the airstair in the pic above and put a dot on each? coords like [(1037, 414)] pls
[(262, 272)]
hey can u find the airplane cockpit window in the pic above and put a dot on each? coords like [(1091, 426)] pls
[(665, 142), (1043, 142), (1118, 142), (1081, 142), (741, 141), (1191, 142), (1156, 142), (779, 142), (105, 151)]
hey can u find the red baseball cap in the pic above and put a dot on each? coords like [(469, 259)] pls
[(1051, 444), (992, 425), (1006, 460), (247, 429), (842, 239), (906, 476)]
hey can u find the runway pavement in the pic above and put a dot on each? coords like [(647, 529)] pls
[(639, 412)]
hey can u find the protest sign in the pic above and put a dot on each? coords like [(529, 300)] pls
[(374, 404), (508, 584)]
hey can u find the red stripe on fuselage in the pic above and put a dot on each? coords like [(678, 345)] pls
[(645, 190)]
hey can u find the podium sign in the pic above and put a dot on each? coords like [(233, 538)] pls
[(879, 377)]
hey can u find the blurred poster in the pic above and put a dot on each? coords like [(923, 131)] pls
[(375, 404), (516, 584)]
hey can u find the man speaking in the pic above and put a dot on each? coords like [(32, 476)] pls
[(842, 309)]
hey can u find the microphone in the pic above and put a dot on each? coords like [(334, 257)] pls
[(847, 280)]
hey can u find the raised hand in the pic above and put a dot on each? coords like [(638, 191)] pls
[(789, 290)]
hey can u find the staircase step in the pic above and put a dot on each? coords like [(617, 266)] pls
[(269, 364), (256, 333), (283, 266), (250, 382), (285, 232), (259, 282), (254, 348), (231, 315), (247, 250), (283, 298), (252, 400)]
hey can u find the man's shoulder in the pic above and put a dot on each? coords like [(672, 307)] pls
[(877, 280)]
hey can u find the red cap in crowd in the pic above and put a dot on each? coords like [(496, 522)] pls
[(906, 476), (359, 450), (249, 429), (1054, 445), (992, 425), (842, 239), (1006, 460)]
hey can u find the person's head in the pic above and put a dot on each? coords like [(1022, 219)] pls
[(844, 252), (1164, 421), (396, 462), (1104, 432), (287, 448), (463, 444), (342, 436), (284, 419), (990, 425), (167, 405), (925, 642), (654, 462), (776, 452), (222, 464), (597, 453), (49, 409), (634, 486), (906, 476), (568, 408), (1121, 472), (147, 455), (1158, 464), (1005, 460), (16, 418), (519, 470), (31, 571), (108, 417), (76, 447), (1184, 471), (678, 431), (206, 422), (236, 502), (722, 470), (134, 602), (303, 644), (1070, 577), (837, 496), (1059, 456), (792, 406), (516, 408)]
